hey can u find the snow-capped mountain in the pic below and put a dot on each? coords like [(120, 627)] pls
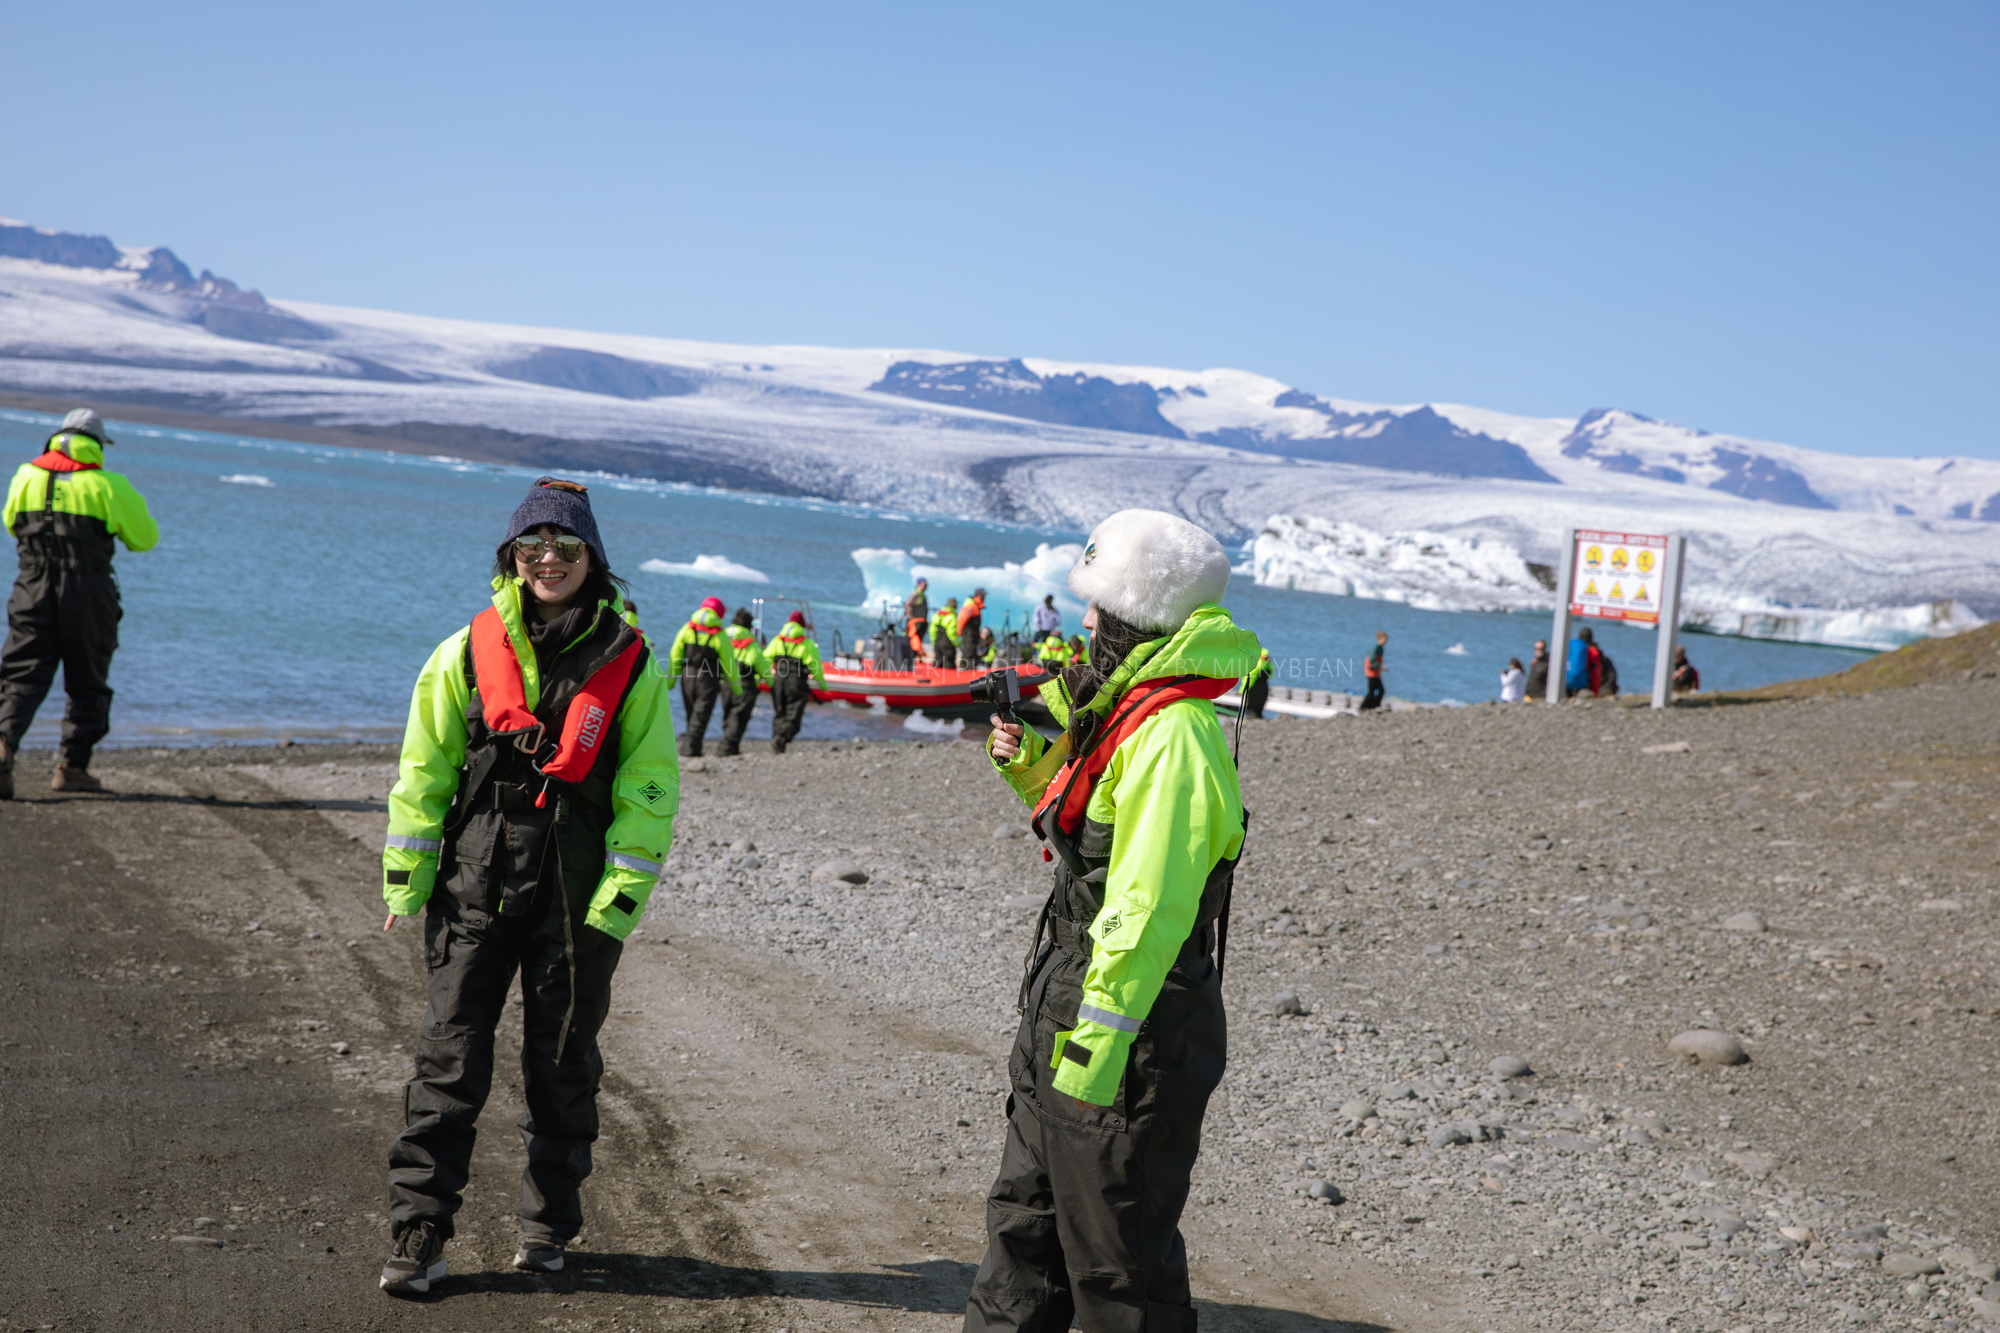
[(1019, 439)]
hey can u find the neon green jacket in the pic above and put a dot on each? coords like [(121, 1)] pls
[(743, 643), (97, 494), (1172, 799), (1258, 672), (645, 794), (704, 628), (944, 627), (793, 641)]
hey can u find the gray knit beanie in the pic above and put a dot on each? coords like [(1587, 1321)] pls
[(563, 503)]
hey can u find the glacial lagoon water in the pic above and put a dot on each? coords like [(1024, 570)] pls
[(297, 589)]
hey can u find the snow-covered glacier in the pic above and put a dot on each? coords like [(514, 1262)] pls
[(1435, 503)]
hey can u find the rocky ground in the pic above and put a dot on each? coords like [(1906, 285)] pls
[(806, 1081)]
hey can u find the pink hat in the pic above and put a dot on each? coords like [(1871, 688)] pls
[(713, 604)]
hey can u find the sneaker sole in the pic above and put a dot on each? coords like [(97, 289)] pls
[(398, 1284), (526, 1265)]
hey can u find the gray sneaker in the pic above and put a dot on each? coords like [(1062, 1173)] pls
[(416, 1261), (539, 1256)]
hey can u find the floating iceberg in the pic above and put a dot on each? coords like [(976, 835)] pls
[(708, 567), (247, 479), (1011, 588), (1436, 572), (1427, 570)]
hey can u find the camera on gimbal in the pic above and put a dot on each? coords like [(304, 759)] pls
[(1001, 690)]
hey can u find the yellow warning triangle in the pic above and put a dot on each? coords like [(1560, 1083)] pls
[(1617, 590), (1640, 595), (1590, 588)]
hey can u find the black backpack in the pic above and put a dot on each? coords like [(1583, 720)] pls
[(1607, 675)]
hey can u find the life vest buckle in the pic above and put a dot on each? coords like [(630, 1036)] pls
[(529, 742)]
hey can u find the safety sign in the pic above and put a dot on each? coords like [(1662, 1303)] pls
[(1617, 575)]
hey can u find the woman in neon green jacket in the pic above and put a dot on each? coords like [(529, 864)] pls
[(534, 807), (1122, 1037)]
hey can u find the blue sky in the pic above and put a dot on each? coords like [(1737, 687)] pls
[(1777, 220)]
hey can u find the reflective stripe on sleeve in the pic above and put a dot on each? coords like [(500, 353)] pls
[(1090, 1013), (639, 863), (409, 844)]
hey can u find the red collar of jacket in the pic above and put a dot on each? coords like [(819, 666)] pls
[(53, 461)]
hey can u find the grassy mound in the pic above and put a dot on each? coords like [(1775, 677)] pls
[(1965, 656)]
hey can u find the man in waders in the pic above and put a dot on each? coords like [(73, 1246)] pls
[(917, 616), (795, 669), (64, 509), (752, 666), (534, 807), (703, 662), (1122, 1035)]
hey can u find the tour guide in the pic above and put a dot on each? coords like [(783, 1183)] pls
[(64, 509), (535, 804), (1122, 1036)]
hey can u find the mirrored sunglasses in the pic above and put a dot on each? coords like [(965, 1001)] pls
[(569, 550)]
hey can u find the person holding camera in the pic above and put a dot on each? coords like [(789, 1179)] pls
[(1122, 1037)]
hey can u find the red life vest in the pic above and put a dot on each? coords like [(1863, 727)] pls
[(503, 699), (1068, 793), (57, 461)]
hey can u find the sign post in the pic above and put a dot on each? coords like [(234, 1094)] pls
[(1559, 636), (1669, 622), (1630, 576)]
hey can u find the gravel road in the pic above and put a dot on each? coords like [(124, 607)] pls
[(1464, 942)]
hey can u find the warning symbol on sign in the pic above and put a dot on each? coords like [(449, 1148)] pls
[(1590, 588), (1640, 595), (1645, 562), (1618, 558), (1593, 557), (1617, 590)]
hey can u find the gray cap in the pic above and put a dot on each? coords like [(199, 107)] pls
[(83, 421)]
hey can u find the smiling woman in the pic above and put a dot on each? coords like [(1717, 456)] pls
[(530, 835)]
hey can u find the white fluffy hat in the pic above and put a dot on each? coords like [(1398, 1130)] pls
[(1150, 568)]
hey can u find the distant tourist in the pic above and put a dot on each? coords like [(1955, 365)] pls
[(968, 629), (751, 668), (64, 509), (917, 615), (1048, 620), (1513, 682), (1686, 679), (944, 635), (528, 827), (1538, 671), (703, 662), (795, 670), (1585, 670), (1256, 686), (1607, 676), (1372, 669)]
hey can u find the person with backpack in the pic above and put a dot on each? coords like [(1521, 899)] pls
[(1122, 1036), (944, 635), (1584, 671), (533, 809), (966, 634), (1372, 669), (64, 510)]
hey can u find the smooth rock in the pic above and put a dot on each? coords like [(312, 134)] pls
[(1434, 1056), (198, 1240), (1687, 1240), (1396, 1092), (1325, 1189), (1357, 1110), (1670, 747), (845, 871), (1800, 1235), (1433, 951), (1940, 905), (1867, 1231), (200, 1222), (1756, 1165), (1748, 922), (1569, 1142), (1287, 1002), (1638, 1136), (1985, 1309), (1857, 1250), (1984, 1273), (1509, 1066), (1008, 831), (1446, 1136), (1957, 1258), (342, 1048), (1709, 1047), (1911, 1265), (743, 845)]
